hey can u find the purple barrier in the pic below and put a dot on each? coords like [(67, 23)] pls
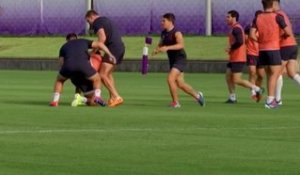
[(62, 17), (190, 15), (144, 16), (31, 17), (292, 8), (132, 17), (19, 17), (247, 10), (221, 7)]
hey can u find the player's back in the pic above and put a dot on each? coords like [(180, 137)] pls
[(268, 31), (76, 50), (291, 40), (113, 35)]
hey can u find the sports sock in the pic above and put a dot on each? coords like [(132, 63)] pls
[(97, 93), (83, 99), (56, 96), (297, 78), (270, 99), (232, 97), (279, 85)]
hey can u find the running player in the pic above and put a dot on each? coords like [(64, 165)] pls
[(172, 42), (237, 59), (74, 58), (108, 34), (269, 25), (288, 51), (255, 70)]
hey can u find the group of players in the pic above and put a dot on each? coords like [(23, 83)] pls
[(268, 46), (271, 49), (80, 63)]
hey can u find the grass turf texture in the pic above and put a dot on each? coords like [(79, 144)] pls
[(47, 47), (144, 136)]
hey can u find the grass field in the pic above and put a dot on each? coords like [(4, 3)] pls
[(47, 47), (144, 136)]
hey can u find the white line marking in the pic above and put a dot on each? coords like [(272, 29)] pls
[(50, 131)]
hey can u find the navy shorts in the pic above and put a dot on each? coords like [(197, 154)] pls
[(117, 52), (84, 68), (270, 58), (178, 63), (252, 60), (82, 83), (289, 53), (236, 67)]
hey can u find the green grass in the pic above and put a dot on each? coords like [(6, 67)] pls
[(47, 47), (144, 136)]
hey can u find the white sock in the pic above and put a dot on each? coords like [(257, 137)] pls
[(253, 92), (56, 96), (297, 78), (83, 99), (279, 85), (270, 99), (97, 93), (232, 97)]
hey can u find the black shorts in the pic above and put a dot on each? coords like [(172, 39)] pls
[(117, 52), (236, 67), (84, 68), (289, 53), (82, 83), (178, 63), (270, 58), (253, 61)]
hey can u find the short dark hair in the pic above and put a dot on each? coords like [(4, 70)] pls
[(90, 13), (234, 14), (267, 4), (258, 12), (71, 36), (170, 16)]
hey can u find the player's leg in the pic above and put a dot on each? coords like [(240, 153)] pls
[(274, 73), (252, 74), (261, 73), (231, 87), (189, 90), (279, 83), (171, 79), (291, 71), (58, 87), (106, 73)]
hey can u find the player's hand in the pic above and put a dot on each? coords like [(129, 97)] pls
[(112, 59), (163, 49), (227, 50), (155, 52)]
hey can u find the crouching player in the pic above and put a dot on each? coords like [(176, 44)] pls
[(84, 86), (74, 59)]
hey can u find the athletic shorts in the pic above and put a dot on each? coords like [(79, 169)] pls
[(83, 68), (117, 52), (253, 60), (85, 85), (289, 53), (270, 58), (178, 63), (236, 67)]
